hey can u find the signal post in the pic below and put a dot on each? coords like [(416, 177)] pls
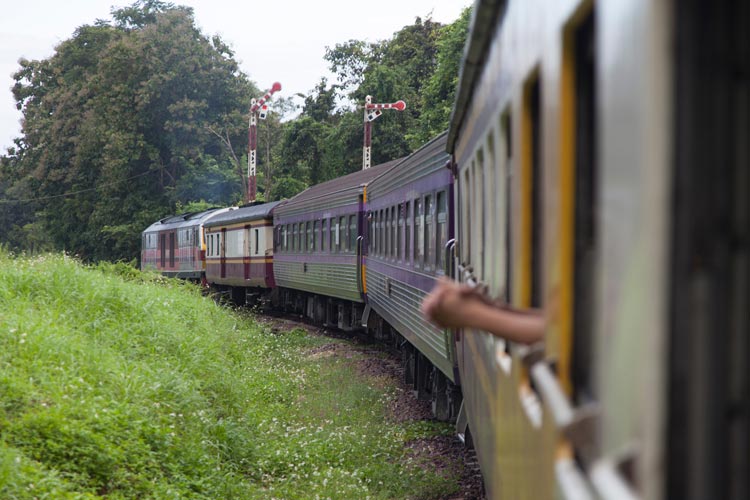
[(372, 111), (258, 109)]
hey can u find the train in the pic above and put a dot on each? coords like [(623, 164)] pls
[(596, 167)]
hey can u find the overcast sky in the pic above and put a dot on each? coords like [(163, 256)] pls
[(281, 40)]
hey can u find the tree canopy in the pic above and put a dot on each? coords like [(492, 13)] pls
[(134, 118)]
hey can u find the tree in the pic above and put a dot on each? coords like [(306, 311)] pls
[(439, 92), (121, 115)]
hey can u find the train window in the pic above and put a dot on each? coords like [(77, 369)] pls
[(532, 229), (709, 259), (332, 235), (429, 237), (316, 230), (392, 230), (582, 39), (400, 231), (408, 233), (353, 233), (335, 231), (490, 215), (381, 234), (171, 250), (373, 233), (386, 233), (506, 127), (394, 225), (310, 237), (479, 212), (442, 228), (466, 219), (341, 243), (257, 243), (323, 235), (419, 230)]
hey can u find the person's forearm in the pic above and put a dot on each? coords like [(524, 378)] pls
[(522, 328)]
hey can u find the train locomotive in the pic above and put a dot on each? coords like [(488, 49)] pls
[(175, 246), (596, 167)]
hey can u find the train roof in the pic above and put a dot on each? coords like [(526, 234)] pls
[(335, 192), (183, 220), (486, 15), (243, 214), (428, 159)]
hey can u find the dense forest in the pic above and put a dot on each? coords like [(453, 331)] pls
[(142, 116)]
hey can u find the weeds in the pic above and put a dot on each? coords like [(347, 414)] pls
[(120, 384)]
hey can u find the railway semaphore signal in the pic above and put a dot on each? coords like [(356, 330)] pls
[(372, 111), (258, 109)]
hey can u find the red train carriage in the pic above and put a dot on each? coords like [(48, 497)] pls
[(239, 250), (174, 245)]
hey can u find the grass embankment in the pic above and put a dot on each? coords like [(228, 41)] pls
[(124, 385)]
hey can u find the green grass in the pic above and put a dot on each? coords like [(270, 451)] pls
[(119, 384)]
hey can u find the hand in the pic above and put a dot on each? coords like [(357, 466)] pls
[(451, 305)]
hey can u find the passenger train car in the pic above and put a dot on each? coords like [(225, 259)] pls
[(603, 175), (239, 251), (175, 245), (409, 209), (319, 250)]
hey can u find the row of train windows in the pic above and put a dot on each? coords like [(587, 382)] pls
[(185, 238), (234, 239), (414, 232), (336, 235)]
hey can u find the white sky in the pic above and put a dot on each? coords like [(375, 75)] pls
[(281, 40)]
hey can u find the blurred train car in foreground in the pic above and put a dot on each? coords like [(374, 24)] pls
[(602, 154), (175, 247)]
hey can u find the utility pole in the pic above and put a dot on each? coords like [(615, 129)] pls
[(258, 109), (372, 111)]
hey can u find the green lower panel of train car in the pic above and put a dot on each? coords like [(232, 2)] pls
[(332, 280), (398, 303)]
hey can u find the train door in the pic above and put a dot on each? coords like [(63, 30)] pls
[(708, 439), (163, 250)]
